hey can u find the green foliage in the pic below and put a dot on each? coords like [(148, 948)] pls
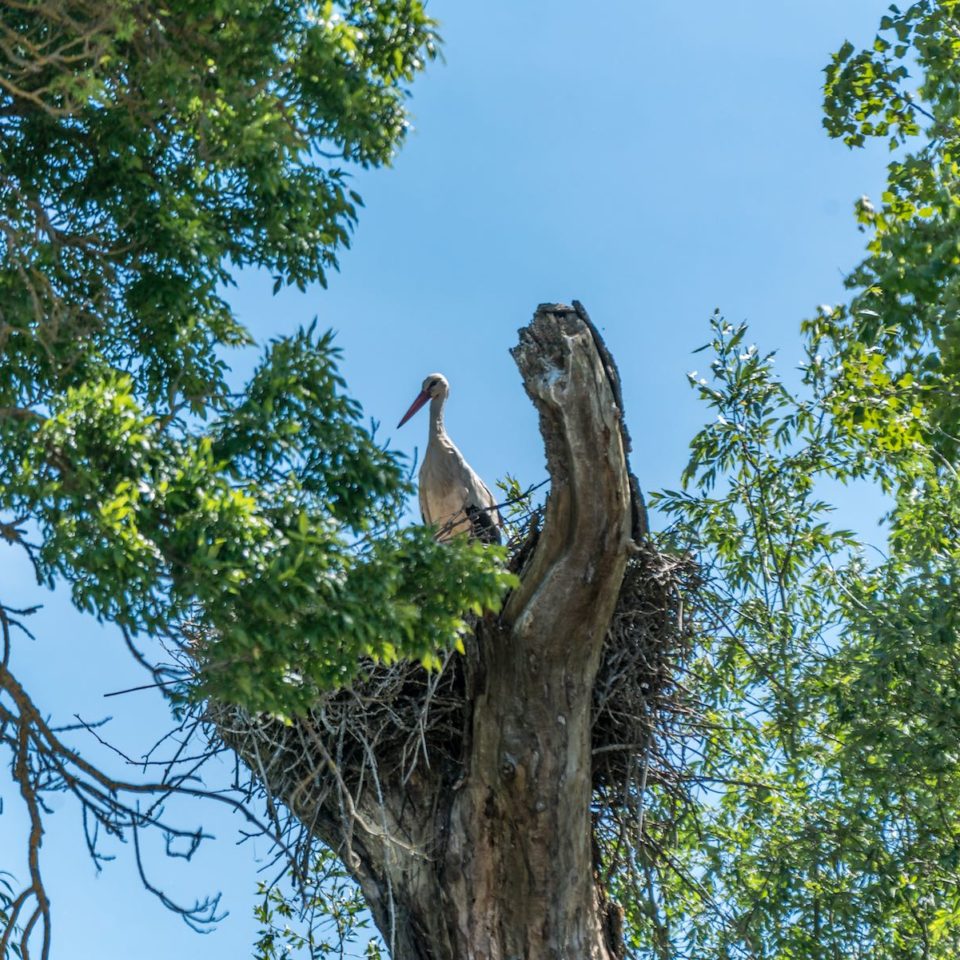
[(326, 918), (825, 779), (519, 507), (906, 292), (12, 951), (145, 153), (826, 784), (248, 527)]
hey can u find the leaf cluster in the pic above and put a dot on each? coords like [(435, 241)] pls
[(325, 918), (906, 300)]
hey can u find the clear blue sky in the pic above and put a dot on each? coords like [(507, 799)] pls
[(654, 162)]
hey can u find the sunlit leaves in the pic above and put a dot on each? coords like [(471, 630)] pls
[(146, 153), (325, 918), (829, 779), (907, 291), (273, 531), (823, 823), (871, 402)]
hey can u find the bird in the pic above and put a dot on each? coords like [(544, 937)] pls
[(452, 496)]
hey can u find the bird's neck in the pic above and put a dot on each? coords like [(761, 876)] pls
[(436, 417)]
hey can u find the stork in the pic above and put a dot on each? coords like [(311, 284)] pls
[(452, 496)]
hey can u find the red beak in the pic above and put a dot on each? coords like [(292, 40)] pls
[(422, 398)]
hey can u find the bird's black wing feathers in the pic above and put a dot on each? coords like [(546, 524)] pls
[(482, 526)]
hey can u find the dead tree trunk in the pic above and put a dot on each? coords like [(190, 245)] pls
[(487, 855), (519, 851)]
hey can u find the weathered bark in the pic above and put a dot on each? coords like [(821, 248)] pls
[(489, 857), (521, 835)]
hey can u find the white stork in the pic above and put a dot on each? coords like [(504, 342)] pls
[(452, 496)]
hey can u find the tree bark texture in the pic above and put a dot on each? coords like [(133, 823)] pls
[(490, 858)]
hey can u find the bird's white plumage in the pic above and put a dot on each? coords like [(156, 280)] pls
[(452, 496)]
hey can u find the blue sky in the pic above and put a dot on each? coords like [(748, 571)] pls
[(654, 163)]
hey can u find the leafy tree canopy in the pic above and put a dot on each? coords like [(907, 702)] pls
[(900, 333), (147, 151), (823, 820)]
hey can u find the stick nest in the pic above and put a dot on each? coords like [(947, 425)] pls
[(402, 724)]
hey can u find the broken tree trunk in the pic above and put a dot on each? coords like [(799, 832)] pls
[(520, 850), (485, 854)]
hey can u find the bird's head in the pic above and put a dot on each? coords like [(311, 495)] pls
[(435, 385)]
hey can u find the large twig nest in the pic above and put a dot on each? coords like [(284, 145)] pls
[(403, 721), (636, 687)]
